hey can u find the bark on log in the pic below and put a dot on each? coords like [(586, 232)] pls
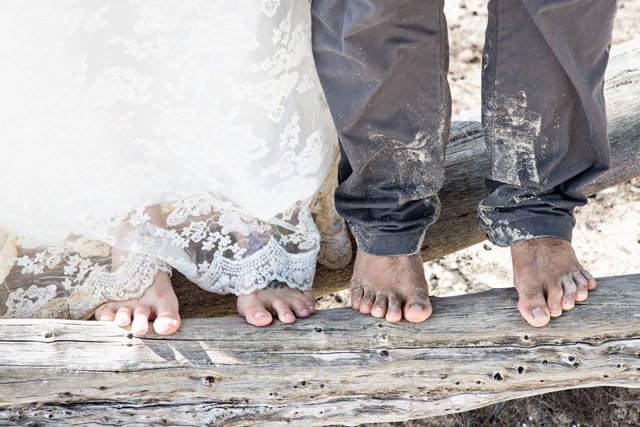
[(466, 167), (335, 367)]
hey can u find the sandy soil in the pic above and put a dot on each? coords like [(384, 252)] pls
[(607, 240)]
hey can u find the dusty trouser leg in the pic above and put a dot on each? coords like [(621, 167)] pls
[(383, 66), (545, 126)]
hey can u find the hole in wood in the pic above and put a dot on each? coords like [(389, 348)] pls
[(209, 380), (497, 376), (48, 335), (317, 329), (545, 362), (521, 370), (526, 337), (571, 358), (130, 336), (576, 365), (384, 353)]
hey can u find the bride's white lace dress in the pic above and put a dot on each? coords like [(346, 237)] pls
[(141, 135)]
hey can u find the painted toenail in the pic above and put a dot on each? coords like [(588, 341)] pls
[(539, 313), (260, 314)]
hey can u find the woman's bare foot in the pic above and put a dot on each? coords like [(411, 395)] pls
[(277, 299), (159, 303), (549, 278), (392, 287)]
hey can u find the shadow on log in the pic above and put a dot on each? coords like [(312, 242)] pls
[(334, 368), (466, 166)]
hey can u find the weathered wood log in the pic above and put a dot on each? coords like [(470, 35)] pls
[(335, 367), (465, 171)]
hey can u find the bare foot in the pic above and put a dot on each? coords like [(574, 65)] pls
[(159, 303), (392, 287), (549, 278), (277, 299)]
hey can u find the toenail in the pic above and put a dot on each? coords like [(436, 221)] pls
[(289, 316), (166, 322), (539, 313), (260, 314)]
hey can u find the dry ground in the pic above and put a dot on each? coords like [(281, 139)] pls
[(607, 239)]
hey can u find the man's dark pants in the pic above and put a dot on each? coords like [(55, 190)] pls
[(383, 65)]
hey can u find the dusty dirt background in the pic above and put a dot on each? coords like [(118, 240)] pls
[(607, 240)]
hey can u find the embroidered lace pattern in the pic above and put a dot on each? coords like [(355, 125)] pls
[(143, 135)]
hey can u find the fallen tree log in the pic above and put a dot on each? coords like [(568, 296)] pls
[(465, 171), (336, 367)]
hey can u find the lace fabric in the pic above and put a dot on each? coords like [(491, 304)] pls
[(143, 135)]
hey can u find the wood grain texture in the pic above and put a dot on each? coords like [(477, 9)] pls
[(466, 167), (335, 367)]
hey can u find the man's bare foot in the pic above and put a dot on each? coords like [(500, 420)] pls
[(277, 299), (392, 287), (549, 278), (159, 303)]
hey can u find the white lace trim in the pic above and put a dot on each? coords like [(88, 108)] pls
[(79, 300), (256, 271)]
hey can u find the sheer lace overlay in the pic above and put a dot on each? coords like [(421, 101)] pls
[(143, 135)]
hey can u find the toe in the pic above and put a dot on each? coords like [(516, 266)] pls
[(418, 307), (582, 286), (533, 306), (554, 298), (140, 324), (123, 317), (106, 313), (253, 311), (310, 300), (379, 309), (299, 307), (569, 288), (367, 301), (591, 281), (166, 324), (167, 316), (356, 296), (283, 311), (394, 309)]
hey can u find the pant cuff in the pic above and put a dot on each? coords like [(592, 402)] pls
[(506, 232), (387, 244)]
